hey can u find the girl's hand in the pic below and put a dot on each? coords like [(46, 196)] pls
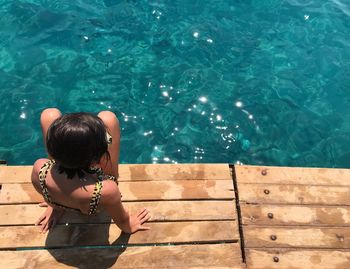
[(49, 218), (136, 222), (111, 202)]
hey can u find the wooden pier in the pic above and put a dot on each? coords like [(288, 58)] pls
[(203, 215)]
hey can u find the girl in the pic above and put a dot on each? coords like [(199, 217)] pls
[(82, 170)]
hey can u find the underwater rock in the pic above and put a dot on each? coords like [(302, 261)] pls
[(7, 62), (163, 120), (335, 149)]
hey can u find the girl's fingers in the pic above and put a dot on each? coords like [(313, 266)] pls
[(38, 222), (145, 218), (42, 217), (143, 228), (142, 212), (44, 227)]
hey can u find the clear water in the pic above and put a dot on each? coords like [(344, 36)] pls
[(250, 81)]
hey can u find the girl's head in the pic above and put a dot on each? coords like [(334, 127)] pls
[(76, 141)]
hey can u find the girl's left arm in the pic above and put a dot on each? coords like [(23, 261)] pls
[(51, 215)]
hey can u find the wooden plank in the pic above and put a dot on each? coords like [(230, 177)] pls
[(106, 234), (139, 190), (295, 215), (303, 237), (175, 171), (294, 194), (292, 175), (137, 172), (185, 256), (297, 259), (164, 211)]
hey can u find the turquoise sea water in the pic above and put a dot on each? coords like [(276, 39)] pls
[(250, 81)]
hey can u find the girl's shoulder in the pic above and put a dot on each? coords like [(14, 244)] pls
[(110, 192), (38, 164), (35, 172)]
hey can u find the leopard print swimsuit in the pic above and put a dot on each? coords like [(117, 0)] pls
[(95, 196)]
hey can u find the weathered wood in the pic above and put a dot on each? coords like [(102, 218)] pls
[(106, 234), (295, 215), (15, 174), (292, 175), (297, 259), (192, 205), (314, 199), (185, 256), (304, 237), (137, 172), (294, 194), (161, 211), (139, 190)]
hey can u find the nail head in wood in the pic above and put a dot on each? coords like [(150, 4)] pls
[(270, 215), (266, 191), (276, 259), (264, 172), (273, 237)]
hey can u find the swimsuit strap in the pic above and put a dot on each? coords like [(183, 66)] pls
[(109, 177), (96, 196), (42, 176)]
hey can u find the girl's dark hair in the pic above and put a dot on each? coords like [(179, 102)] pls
[(75, 141)]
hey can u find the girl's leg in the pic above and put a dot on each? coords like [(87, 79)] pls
[(111, 121), (48, 116)]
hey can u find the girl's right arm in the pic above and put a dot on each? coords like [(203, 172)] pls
[(111, 202)]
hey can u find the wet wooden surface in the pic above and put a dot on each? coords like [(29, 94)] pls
[(137, 172), (13, 193), (286, 218), (211, 256), (194, 223), (294, 217)]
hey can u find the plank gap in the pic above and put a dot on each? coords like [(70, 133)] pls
[(139, 201), (125, 246), (280, 249), (265, 226), (179, 200), (302, 205), (298, 248), (294, 184), (294, 204), (238, 210), (105, 222), (292, 226)]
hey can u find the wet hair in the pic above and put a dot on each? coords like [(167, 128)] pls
[(75, 141)]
